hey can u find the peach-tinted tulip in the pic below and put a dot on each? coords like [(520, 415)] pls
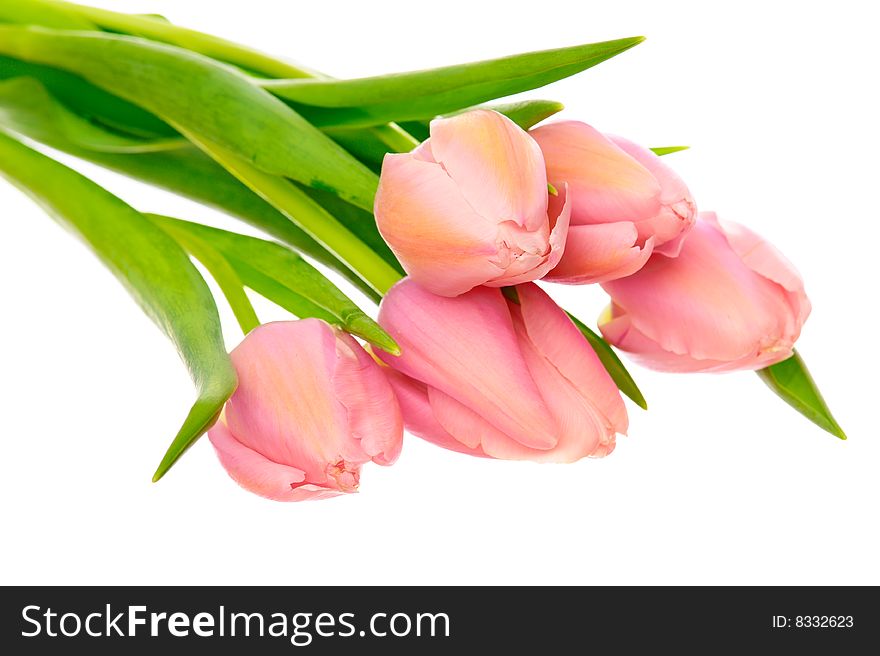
[(469, 206), (625, 202), (729, 301), (311, 407), (484, 375)]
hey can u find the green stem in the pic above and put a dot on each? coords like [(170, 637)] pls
[(281, 193), (222, 273), (395, 137), (253, 61), (206, 44), (297, 206)]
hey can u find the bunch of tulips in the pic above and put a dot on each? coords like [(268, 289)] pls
[(446, 210)]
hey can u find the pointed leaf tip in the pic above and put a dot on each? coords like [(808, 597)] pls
[(792, 382), (668, 150)]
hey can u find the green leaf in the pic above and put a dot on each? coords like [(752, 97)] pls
[(27, 108), (418, 129), (296, 205), (256, 260), (88, 101), (429, 93), (792, 382), (668, 150), (366, 147), (185, 171), (612, 363), (154, 269), (525, 113), (361, 224), (148, 27), (212, 101), (39, 12), (221, 271)]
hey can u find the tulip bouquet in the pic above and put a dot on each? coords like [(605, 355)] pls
[(425, 193)]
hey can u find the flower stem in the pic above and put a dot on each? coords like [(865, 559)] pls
[(297, 206)]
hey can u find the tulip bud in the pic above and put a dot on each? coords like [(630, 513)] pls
[(469, 206), (729, 301), (625, 202), (311, 407), (488, 376)]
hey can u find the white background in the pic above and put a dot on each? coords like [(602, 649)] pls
[(718, 483)]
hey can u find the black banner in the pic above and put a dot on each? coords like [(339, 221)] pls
[(278, 620)]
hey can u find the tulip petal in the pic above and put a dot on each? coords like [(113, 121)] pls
[(618, 330), (766, 260), (677, 212), (646, 352), (284, 407), (466, 348), (442, 242), (559, 341), (757, 253), (469, 428), (597, 253), (258, 474), (583, 429), (419, 416), (539, 267), (705, 305), (496, 165), (607, 185), (373, 413)]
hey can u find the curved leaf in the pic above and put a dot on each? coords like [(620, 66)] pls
[(299, 207), (248, 255), (88, 101), (58, 14), (428, 93), (525, 113), (27, 108), (222, 273), (612, 363), (48, 14), (792, 382), (154, 269), (210, 100), (185, 171)]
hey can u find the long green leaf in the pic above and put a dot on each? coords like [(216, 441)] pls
[(68, 15), (612, 363), (27, 107), (155, 270), (428, 93), (47, 14), (360, 223), (221, 271), (283, 266), (525, 113), (88, 101), (298, 206), (185, 171), (792, 382), (211, 100)]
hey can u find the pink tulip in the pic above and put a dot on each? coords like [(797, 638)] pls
[(469, 206), (487, 376), (729, 301), (625, 203), (311, 407)]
